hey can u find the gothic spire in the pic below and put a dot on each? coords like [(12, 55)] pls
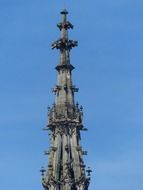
[(66, 168)]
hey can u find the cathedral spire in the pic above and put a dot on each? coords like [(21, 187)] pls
[(66, 169), (64, 89)]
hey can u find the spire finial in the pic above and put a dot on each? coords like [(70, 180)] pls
[(64, 16), (64, 24), (64, 43), (64, 12)]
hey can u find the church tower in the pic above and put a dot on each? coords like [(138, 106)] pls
[(66, 169)]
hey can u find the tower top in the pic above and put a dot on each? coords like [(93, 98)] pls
[(64, 12), (64, 24), (65, 95), (63, 43)]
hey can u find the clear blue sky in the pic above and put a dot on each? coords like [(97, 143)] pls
[(109, 67)]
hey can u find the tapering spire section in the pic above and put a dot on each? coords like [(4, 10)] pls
[(64, 89), (66, 168)]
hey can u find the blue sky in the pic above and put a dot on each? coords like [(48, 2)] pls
[(109, 66)]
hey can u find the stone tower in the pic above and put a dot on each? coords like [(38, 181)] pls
[(66, 169)]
